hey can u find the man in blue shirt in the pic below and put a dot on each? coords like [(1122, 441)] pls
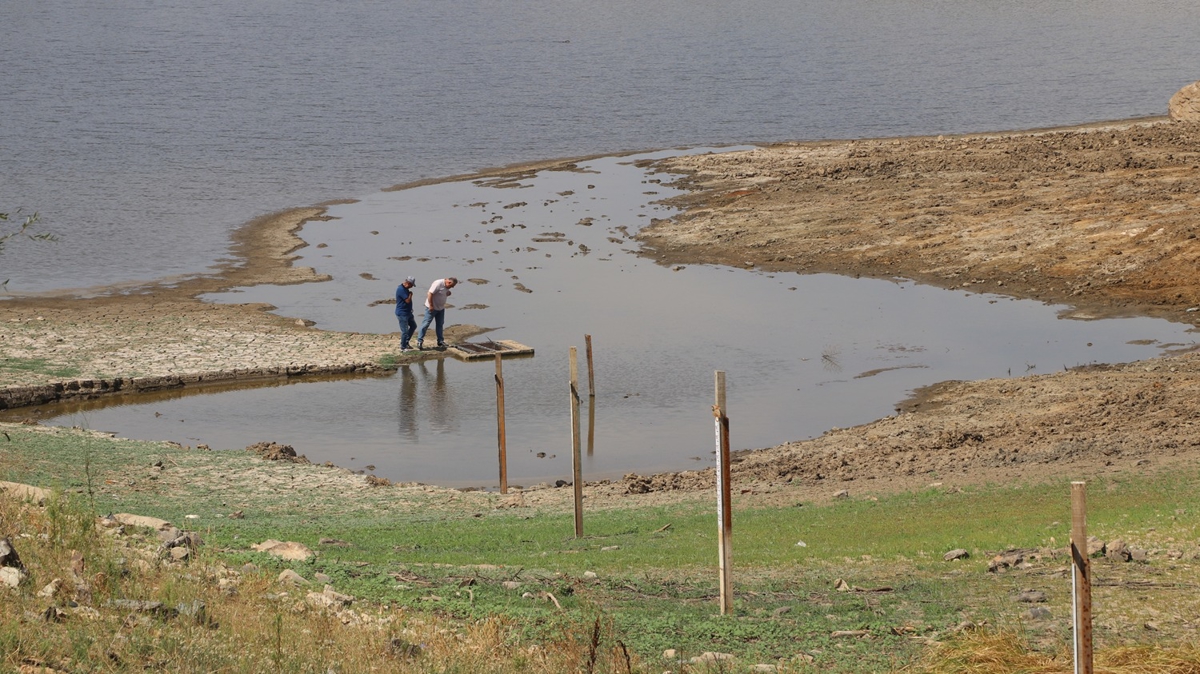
[(404, 312)]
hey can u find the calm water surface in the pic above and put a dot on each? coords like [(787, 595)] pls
[(145, 130)]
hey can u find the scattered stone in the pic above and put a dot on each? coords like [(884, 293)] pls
[(228, 586), (842, 586), (804, 658), (322, 578), (131, 520), (670, 654), (290, 551), (956, 554), (1036, 613), (11, 576), (328, 598), (1117, 551), (1138, 555), (764, 668), (289, 577), (590, 575), (51, 589), (1095, 546), (1031, 596), (709, 657), (334, 542), (374, 481), (801, 544), (1152, 627), (196, 610), (180, 554), (8, 555), (236, 515), (845, 493), (850, 633), (610, 548), (510, 585)]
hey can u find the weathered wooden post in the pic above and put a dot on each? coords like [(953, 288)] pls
[(1081, 579), (576, 461), (591, 443), (500, 434), (724, 513)]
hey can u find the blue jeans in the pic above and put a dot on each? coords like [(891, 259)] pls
[(437, 316), (408, 325)]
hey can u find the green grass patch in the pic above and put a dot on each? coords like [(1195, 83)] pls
[(648, 572), (38, 366)]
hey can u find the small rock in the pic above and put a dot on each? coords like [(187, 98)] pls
[(1138, 555), (801, 544), (1031, 596), (322, 578), (590, 575), (328, 598), (764, 668), (11, 576), (845, 493), (289, 577), (51, 588), (8, 555), (708, 657), (1036, 613), (1117, 551), (291, 550), (803, 658), (956, 554), (670, 654), (842, 586), (1153, 627), (510, 585), (180, 553), (402, 649), (1095, 546), (610, 548), (782, 610)]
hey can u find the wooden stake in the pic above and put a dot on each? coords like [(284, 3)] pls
[(591, 370), (591, 425), (500, 434), (576, 461), (724, 513), (1081, 579)]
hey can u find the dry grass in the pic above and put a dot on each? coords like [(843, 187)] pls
[(981, 651), (249, 622)]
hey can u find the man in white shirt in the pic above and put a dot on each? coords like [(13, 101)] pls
[(435, 310)]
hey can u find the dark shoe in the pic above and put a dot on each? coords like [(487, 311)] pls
[(420, 346), (441, 345)]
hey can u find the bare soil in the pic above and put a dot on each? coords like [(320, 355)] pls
[(1101, 218)]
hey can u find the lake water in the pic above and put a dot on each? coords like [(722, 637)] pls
[(143, 131), (547, 260)]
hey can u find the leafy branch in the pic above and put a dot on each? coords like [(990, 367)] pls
[(21, 231)]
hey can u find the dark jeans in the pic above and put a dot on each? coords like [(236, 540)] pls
[(436, 316), (408, 325)]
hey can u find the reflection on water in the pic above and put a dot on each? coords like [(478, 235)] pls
[(546, 260)]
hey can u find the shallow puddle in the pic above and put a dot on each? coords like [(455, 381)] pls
[(546, 260)]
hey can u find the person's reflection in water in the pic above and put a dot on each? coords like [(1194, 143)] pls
[(408, 404), (441, 408)]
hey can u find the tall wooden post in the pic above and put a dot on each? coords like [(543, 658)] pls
[(1081, 579), (724, 513), (591, 441), (500, 434), (591, 370), (576, 461)]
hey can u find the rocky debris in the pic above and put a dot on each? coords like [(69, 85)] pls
[(130, 520), (378, 481), (956, 554), (711, 658), (12, 571), (1031, 597), (1117, 551), (1037, 613), (272, 451), (50, 589), (1009, 559), (289, 577), (25, 492), (400, 648), (1184, 106), (328, 598), (290, 550), (180, 546)]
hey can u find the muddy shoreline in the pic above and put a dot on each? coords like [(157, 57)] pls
[(1097, 217)]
